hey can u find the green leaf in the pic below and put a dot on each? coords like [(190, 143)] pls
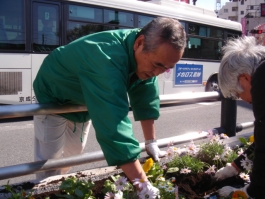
[(243, 141), (173, 170), (79, 193)]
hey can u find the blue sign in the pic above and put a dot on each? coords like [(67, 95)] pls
[(188, 74)]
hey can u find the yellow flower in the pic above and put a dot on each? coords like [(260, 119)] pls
[(239, 195), (251, 138), (148, 165)]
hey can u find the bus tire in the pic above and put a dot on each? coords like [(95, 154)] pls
[(212, 84)]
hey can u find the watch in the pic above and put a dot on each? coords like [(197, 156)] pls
[(150, 141)]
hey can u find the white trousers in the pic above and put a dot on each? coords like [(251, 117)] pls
[(57, 137)]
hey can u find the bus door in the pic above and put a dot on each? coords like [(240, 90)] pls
[(15, 62)]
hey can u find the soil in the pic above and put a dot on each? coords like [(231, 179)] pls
[(199, 186)]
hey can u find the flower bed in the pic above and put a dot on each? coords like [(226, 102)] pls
[(185, 173)]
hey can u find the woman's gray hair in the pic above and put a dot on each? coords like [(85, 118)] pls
[(163, 30), (240, 56)]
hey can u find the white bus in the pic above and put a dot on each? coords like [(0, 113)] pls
[(30, 29)]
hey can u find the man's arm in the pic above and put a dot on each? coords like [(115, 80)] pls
[(148, 129), (151, 147)]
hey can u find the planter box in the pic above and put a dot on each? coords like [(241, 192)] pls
[(51, 184)]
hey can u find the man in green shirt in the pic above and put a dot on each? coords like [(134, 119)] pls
[(101, 71)]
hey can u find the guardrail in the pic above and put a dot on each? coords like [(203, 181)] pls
[(228, 125)]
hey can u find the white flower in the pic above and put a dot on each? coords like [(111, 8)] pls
[(228, 149), (192, 149), (244, 176), (149, 192), (185, 171), (110, 195), (120, 183), (171, 143), (170, 189), (160, 178), (215, 138), (162, 184), (211, 169), (140, 182), (224, 155), (175, 150), (240, 152), (170, 153), (246, 163), (217, 157), (224, 136), (210, 134)]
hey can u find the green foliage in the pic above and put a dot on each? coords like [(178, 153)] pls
[(165, 192), (154, 172), (128, 191), (231, 156), (209, 150), (18, 195), (76, 189), (187, 161)]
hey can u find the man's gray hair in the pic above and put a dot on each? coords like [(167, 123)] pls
[(163, 30), (240, 55)]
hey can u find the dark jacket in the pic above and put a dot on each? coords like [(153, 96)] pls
[(257, 186)]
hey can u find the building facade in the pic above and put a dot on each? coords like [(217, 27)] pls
[(250, 13)]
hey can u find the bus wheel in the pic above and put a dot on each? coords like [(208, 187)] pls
[(212, 85)]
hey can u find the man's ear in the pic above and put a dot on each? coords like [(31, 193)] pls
[(138, 42), (247, 77)]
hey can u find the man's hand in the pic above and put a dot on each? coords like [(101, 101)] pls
[(149, 189), (153, 150), (225, 172), (225, 191)]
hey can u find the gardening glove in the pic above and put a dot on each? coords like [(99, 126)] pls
[(149, 191), (226, 191), (153, 150), (225, 172)]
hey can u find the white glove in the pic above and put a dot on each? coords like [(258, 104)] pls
[(149, 192), (225, 191), (153, 150), (225, 172)]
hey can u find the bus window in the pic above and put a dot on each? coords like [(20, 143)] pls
[(82, 13), (215, 33), (211, 49), (118, 18), (12, 30), (76, 30), (193, 29), (193, 49), (203, 48), (45, 27), (143, 20)]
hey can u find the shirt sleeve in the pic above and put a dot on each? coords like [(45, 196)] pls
[(105, 94), (144, 99), (257, 177)]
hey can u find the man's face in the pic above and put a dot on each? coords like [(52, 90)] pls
[(150, 64), (245, 82)]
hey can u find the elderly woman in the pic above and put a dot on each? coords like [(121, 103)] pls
[(242, 75)]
